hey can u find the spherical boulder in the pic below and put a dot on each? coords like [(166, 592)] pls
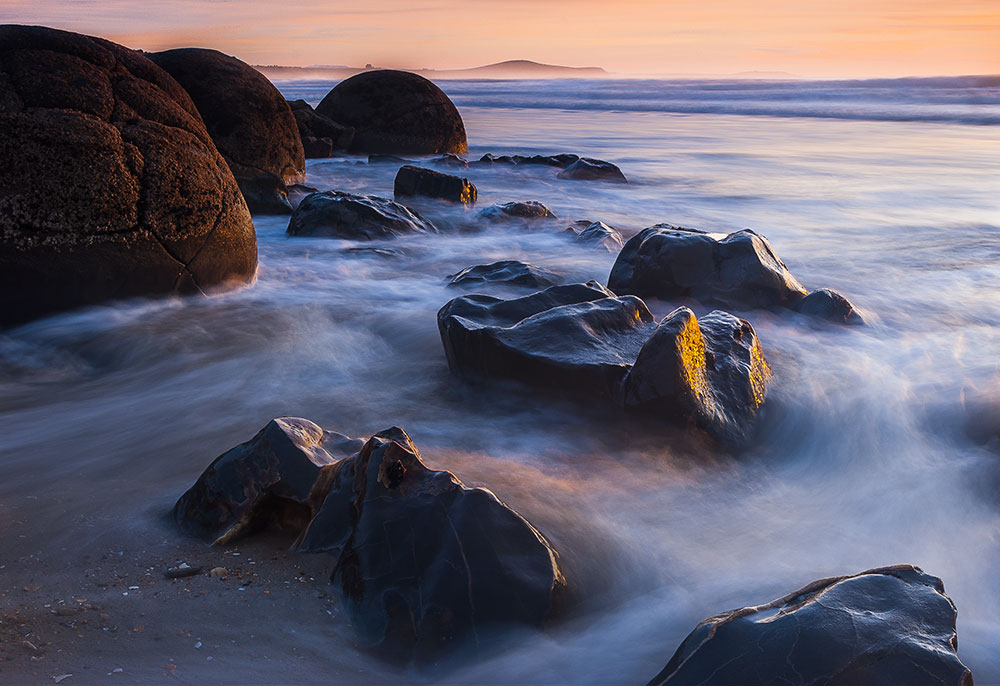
[(249, 120), (396, 112), (111, 187)]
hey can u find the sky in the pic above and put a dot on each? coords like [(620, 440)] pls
[(811, 38)]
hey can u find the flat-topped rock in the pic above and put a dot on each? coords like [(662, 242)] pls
[(518, 211), (507, 273), (416, 181), (596, 233), (354, 216), (588, 169), (892, 626)]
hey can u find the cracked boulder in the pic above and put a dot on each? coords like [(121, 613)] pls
[(737, 270), (506, 273), (335, 214), (397, 113), (423, 561), (596, 233), (419, 182), (111, 187), (249, 120), (892, 626), (584, 341)]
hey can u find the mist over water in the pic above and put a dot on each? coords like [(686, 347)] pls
[(887, 193)]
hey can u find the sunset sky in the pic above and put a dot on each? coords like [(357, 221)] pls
[(820, 38)]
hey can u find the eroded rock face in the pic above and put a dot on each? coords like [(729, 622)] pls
[(396, 112), (738, 270), (596, 233), (583, 340), (311, 124), (892, 626), (247, 117), (354, 216), (587, 169), (263, 482), (111, 187), (519, 211), (415, 181), (507, 273), (423, 561)]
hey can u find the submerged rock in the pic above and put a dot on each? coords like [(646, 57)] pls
[(311, 124), (561, 161), (423, 561), (110, 187), (358, 217), (530, 211), (738, 270), (489, 159), (396, 112), (505, 272), (416, 181), (387, 159), (892, 626), (596, 233), (451, 160), (583, 340), (587, 169)]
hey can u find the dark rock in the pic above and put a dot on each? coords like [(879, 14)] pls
[(354, 216), (297, 192), (265, 194), (892, 626), (489, 158), (110, 187), (247, 117), (417, 181), (181, 572), (424, 562), (530, 210), (596, 233), (587, 169), (561, 161), (827, 304), (377, 251), (451, 160), (311, 124), (265, 481), (317, 148), (506, 272), (584, 340), (387, 159), (396, 112)]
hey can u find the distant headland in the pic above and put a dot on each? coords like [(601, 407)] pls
[(511, 69)]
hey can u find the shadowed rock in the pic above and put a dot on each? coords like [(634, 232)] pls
[(416, 181), (111, 187), (424, 562), (490, 159), (892, 626), (387, 159), (396, 112), (311, 124), (530, 211), (358, 217), (506, 272), (596, 233), (451, 160), (263, 482), (248, 119), (561, 161), (738, 270), (587, 169), (317, 148), (583, 340)]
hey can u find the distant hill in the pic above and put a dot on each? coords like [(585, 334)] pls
[(511, 69)]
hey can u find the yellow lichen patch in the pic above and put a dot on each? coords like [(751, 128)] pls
[(691, 354), (760, 372)]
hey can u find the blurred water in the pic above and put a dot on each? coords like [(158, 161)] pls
[(861, 461)]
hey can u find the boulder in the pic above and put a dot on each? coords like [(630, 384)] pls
[(311, 124), (451, 160), (587, 169), (111, 187), (266, 194), (353, 216), (424, 562), (507, 273), (562, 161), (522, 211), (417, 181), (583, 340), (317, 148), (738, 270), (596, 233), (490, 159), (247, 117), (396, 112), (263, 482), (892, 626)]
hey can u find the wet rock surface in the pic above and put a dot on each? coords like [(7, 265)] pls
[(416, 181), (587, 169), (396, 112), (892, 626), (583, 340), (596, 233), (359, 217), (505, 272), (111, 186), (311, 124), (737, 270), (517, 211)]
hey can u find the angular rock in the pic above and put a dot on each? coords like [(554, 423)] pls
[(507, 273), (297, 192), (353, 216), (396, 112), (587, 169), (424, 562), (892, 626), (530, 211), (317, 148), (417, 181), (247, 117), (311, 124), (596, 233), (111, 187), (827, 304), (263, 482)]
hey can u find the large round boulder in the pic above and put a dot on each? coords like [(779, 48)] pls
[(396, 112), (111, 187), (249, 120)]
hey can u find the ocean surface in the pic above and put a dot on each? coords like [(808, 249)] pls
[(887, 191)]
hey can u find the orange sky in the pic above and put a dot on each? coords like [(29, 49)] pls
[(821, 38)]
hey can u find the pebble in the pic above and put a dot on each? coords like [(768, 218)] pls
[(218, 571), (181, 571)]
